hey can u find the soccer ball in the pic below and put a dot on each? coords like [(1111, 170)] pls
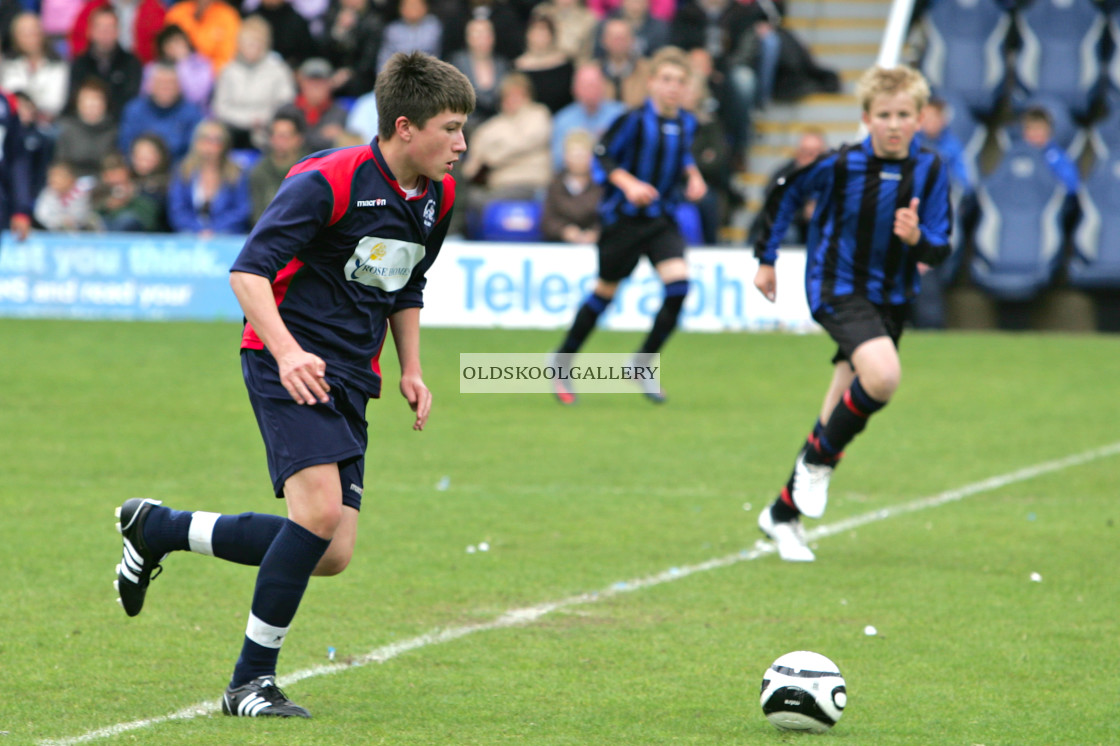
[(803, 691)]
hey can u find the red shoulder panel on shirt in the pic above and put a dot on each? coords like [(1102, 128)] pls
[(337, 167), (448, 196)]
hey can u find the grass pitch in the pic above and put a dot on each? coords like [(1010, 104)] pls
[(574, 501)]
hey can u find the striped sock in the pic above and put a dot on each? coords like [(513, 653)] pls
[(846, 422)]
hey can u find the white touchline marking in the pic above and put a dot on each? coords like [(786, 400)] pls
[(530, 614)]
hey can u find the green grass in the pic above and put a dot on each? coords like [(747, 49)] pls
[(572, 501)]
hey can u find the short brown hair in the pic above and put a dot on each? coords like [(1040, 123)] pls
[(418, 86), (878, 81)]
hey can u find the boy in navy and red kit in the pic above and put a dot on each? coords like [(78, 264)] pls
[(642, 160), (337, 259), (16, 191), (882, 212)]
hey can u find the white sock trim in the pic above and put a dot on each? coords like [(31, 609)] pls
[(264, 634), (201, 535)]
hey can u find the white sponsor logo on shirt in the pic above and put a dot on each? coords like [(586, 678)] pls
[(384, 263)]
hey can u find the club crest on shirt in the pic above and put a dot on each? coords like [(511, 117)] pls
[(384, 263), (430, 214)]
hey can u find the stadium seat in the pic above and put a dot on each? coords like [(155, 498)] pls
[(1112, 72), (510, 220), (1104, 134), (964, 54), (969, 131), (689, 222), (1096, 259), (1019, 235), (1067, 134), (1059, 55)]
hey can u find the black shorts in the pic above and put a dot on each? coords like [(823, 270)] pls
[(297, 436), (852, 320), (626, 240)]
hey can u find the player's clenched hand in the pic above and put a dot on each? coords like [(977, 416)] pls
[(419, 398), (303, 375), (640, 193), (766, 281), (695, 188), (906, 223)]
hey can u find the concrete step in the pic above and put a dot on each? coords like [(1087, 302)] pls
[(839, 9), (836, 30)]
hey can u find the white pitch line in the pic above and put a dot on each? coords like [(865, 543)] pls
[(530, 614)]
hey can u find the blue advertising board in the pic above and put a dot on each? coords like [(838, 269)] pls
[(118, 276)]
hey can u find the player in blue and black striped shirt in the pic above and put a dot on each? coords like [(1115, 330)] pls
[(882, 216), (642, 161)]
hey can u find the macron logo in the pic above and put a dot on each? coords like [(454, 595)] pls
[(371, 203)]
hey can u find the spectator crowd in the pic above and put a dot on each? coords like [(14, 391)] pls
[(136, 115)]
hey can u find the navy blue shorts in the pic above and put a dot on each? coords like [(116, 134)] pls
[(852, 320), (297, 436)]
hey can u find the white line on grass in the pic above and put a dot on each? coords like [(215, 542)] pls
[(529, 614)]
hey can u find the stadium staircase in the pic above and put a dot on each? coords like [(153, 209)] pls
[(843, 35)]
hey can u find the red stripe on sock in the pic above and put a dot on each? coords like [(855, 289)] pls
[(852, 406), (787, 498)]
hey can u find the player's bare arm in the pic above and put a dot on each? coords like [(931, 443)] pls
[(405, 326), (301, 372)]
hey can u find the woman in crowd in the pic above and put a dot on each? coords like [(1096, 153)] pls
[(209, 194)]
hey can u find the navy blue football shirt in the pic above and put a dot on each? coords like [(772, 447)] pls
[(345, 249)]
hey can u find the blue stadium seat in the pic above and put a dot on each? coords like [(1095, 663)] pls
[(1067, 134), (510, 220), (969, 131), (1096, 260), (245, 157), (1019, 234), (1104, 134), (690, 223), (1112, 73), (964, 54), (1060, 52)]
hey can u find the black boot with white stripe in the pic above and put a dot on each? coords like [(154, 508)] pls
[(137, 561), (261, 698)]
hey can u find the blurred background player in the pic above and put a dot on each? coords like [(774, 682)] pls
[(641, 193), (882, 208)]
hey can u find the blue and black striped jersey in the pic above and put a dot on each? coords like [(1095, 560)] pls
[(852, 249), (653, 148)]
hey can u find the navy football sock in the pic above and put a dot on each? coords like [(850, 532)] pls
[(666, 320), (167, 530), (281, 582), (846, 422), (238, 538), (243, 538), (584, 323), (783, 507)]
